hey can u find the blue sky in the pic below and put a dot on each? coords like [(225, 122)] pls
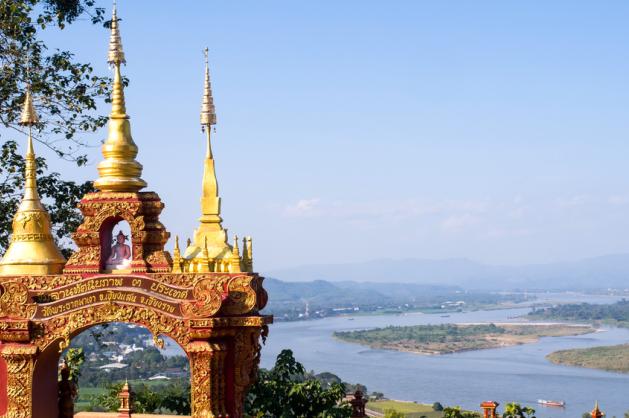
[(354, 130)]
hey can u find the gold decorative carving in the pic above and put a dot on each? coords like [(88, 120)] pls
[(241, 297), (209, 297), (14, 301), (20, 360), (207, 368), (246, 359), (156, 322)]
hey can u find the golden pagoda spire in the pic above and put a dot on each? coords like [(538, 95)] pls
[(176, 257), (119, 171), (247, 253), (235, 259), (32, 249), (210, 230)]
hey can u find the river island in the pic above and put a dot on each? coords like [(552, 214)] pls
[(452, 338), (613, 358)]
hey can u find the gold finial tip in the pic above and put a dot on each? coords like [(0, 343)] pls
[(29, 116), (116, 54), (208, 111)]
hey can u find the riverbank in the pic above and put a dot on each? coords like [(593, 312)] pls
[(453, 338), (609, 358), (409, 409)]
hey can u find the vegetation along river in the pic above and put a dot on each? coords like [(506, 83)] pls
[(519, 373)]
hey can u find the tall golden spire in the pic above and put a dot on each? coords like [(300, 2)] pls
[(210, 229), (32, 249), (119, 172)]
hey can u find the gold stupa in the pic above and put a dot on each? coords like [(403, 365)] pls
[(32, 249), (119, 171), (209, 250)]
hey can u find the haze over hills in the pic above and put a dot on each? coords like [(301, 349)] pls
[(609, 271)]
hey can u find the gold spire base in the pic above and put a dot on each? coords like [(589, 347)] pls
[(31, 267), (119, 171), (32, 249)]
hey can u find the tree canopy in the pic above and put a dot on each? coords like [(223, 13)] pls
[(287, 391), (66, 94)]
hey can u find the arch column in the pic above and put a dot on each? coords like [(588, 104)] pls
[(20, 360), (208, 379)]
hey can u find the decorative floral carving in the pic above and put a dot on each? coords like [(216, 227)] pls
[(242, 297), (207, 369), (246, 359), (14, 301), (209, 296), (66, 326), (20, 360)]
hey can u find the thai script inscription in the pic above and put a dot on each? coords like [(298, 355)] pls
[(158, 304), (67, 306), (124, 289), (101, 283), (86, 286), (169, 291)]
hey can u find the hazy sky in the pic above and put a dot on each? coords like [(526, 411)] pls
[(354, 130)]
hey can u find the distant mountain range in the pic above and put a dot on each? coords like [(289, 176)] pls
[(319, 298), (592, 273)]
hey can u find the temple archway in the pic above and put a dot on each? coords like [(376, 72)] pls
[(211, 310)]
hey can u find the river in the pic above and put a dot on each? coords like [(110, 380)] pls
[(520, 373)]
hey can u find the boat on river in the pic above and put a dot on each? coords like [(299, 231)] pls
[(544, 402)]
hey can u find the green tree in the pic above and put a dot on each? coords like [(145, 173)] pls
[(107, 401), (286, 392), (515, 410), (437, 406), (74, 358), (171, 398), (392, 413), (176, 398), (66, 93), (457, 412)]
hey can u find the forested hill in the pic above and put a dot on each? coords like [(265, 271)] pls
[(616, 314), (319, 298)]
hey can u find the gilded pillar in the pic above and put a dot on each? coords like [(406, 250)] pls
[(207, 375), (246, 359), (20, 360)]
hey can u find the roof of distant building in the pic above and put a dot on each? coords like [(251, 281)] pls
[(114, 366)]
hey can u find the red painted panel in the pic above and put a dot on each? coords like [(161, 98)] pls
[(4, 398)]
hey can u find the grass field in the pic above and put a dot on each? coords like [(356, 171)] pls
[(613, 358), (411, 409)]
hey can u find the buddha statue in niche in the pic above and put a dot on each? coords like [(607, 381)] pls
[(120, 256)]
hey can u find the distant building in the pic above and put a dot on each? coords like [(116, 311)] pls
[(112, 366), (159, 377)]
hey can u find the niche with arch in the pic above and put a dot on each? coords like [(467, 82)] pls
[(116, 246), (146, 234)]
